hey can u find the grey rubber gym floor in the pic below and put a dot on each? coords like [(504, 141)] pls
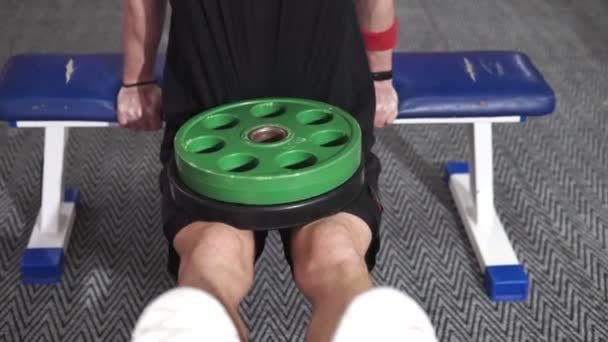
[(551, 191)]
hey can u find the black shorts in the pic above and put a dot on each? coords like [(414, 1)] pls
[(366, 206)]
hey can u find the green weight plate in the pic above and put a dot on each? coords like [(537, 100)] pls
[(268, 151)]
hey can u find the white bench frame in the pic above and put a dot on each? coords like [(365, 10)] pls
[(53, 227), (473, 193)]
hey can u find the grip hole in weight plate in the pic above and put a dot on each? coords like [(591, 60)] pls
[(267, 110), (296, 160), (238, 162), (329, 138), (220, 121), (205, 145), (314, 117)]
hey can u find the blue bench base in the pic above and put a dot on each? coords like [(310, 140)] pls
[(43, 259), (507, 283), (42, 265)]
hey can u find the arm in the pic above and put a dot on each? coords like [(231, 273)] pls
[(139, 106), (377, 16), (143, 22)]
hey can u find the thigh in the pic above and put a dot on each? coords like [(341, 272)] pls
[(334, 234), (182, 232), (215, 238), (356, 226)]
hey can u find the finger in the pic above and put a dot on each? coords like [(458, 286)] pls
[(150, 120), (379, 117), (385, 123), (121, 116), (125, 122), (132, 119), (388, 122), (122, 122), (390, 118), (378, 122), (140, 123), (137, 118), (127, 125), (382, 116)]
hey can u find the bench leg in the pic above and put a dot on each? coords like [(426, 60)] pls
[(472, 188), (42, 261)]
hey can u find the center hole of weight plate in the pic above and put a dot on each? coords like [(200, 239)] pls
[(268, 134)]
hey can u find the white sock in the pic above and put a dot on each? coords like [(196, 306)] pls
[(184, 315), (387, 315)]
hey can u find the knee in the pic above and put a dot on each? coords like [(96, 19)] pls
[(206, 249), (326, 253)]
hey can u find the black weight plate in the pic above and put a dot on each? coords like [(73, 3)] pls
[(267, 217)]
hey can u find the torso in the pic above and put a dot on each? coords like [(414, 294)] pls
[(227, 50)]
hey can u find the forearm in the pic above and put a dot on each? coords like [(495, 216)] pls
[(377, 16), (143, 22)]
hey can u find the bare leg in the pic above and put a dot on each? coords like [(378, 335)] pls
[(218, 259), (330, 269)]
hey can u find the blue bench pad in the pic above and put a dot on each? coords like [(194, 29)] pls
[(39, 87), (83, 87), (470, 84)]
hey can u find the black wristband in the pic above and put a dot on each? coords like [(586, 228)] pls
[(382, 75), (138, 84)]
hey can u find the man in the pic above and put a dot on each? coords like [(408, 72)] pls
[(221, 51)]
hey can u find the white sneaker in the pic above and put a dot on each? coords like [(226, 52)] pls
[(184, 315), (385, 315)]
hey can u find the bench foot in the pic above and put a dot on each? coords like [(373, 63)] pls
[(506, 279), (42, 261), (506, 283), (42, 265)]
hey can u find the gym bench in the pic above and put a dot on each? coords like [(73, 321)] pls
[(477, 88)]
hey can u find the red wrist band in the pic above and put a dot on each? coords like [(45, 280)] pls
[(381, 41)]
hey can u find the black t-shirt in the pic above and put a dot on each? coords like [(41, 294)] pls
[(221, 51)]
